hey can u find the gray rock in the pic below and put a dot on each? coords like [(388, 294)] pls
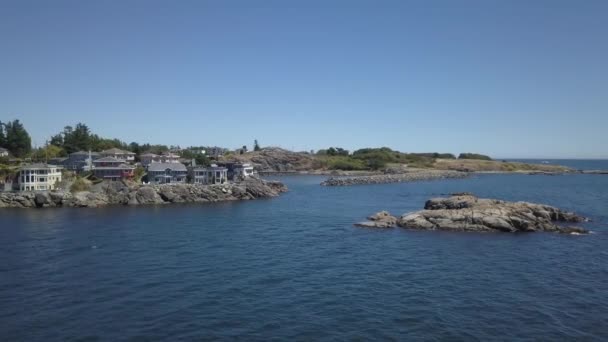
[(469, 213), (145, 195), (382, 219), (42, 199)]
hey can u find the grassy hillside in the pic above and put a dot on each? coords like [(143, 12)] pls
[(493, 165)]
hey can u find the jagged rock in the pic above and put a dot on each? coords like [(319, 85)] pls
[(469, 213), (145, 195), (275, 159), (382, 219)]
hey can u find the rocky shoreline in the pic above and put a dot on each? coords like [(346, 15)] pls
[(395, 178), (118, 193), (467, 213)]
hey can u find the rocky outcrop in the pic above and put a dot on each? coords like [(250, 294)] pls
[(382, 219), (118, 193), (273, 159), (469, 213), (394, 178)]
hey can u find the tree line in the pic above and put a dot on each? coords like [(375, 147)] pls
[(15, 138)]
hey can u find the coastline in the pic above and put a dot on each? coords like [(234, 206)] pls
[(118, 193)]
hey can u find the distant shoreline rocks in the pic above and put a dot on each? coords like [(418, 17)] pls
[(118, 193), (395, 178), (467, 213)]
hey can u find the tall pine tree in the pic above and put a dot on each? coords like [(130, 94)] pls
[(2, 136), (18, 141)]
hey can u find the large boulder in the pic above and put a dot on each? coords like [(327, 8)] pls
[(145, 195), (43, 199), (382, 219)]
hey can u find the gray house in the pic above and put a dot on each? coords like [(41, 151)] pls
[(162, 173), (78, 160)]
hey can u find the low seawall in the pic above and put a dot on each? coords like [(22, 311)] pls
[(117, 193), (394, 178)]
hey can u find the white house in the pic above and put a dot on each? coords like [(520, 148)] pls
[(3, 152), (242, 171), (165, 157), (210, 175), (39, 177), (162, 173), (119, 154), (169, 157)]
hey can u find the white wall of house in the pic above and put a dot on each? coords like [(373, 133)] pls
[(210, 176), (39, 178)]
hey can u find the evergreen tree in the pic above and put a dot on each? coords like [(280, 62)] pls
[(256, 146), (17, 140), (2, 136), (76, 139)]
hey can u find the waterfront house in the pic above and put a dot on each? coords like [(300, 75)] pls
[(39, 177), (149, 158), (77, 161), (110, 168), (117, 153), (165, 157), (237, 171), (169, 157), (3, 152), (209, 175), (163, 173), (215, 152)]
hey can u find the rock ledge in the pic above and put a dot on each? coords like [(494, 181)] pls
[(118, 193), (469, 213)]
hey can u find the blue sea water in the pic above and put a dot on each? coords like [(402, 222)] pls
[(294, 268)]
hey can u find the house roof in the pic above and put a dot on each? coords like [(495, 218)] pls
[(120, 167), (116, 151), (38, 166), (164, 166), (2, 149), (170, 154), (86, 153), (149, 154), (210, 168), (108, 160)]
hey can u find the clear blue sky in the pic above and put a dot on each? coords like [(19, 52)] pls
[(507, 78)]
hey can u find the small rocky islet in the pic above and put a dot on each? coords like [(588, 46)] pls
[(120, 193), (468, 213)]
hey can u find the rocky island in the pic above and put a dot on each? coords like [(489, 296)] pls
[(467, 213), (120, 193)]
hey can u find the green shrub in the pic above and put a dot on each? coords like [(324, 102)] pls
[(473, 156), (79, 184), (345, 163)]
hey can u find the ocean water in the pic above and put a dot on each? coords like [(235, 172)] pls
[(294, 268)]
